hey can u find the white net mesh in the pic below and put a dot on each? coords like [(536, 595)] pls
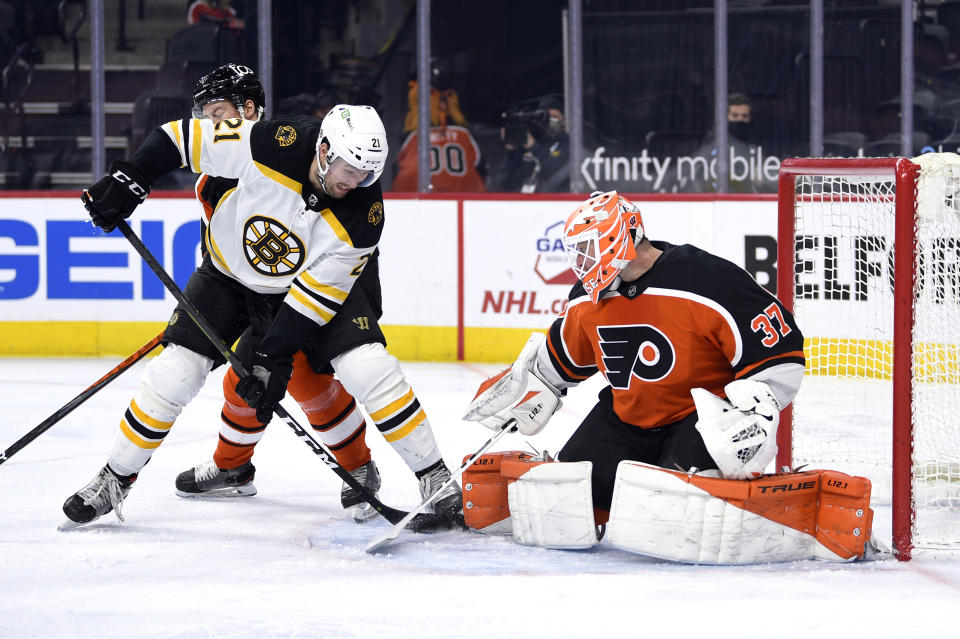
[(844, 304)]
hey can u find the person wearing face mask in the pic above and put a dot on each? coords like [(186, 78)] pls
[(537, 158), (742, 139), (739, 114)]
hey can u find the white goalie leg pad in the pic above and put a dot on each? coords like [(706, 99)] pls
[(373, 376), (658, 513), (551, 506), (170, 381)]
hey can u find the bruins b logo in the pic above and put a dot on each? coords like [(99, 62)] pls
[(286, 135), (375, 214), (270, 248)]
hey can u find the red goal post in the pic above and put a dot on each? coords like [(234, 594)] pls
[(881, 393)]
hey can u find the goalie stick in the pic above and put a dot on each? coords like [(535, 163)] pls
[(423, 522), (90, 391), (383, 541)]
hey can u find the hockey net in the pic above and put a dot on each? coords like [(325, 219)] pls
[(881, 393)]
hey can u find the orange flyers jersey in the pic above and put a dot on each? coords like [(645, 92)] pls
[(454, 162), (694, 320)]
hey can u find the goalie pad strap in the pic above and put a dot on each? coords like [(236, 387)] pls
[(689, 518)]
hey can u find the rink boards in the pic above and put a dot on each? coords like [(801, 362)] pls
[(463, 278)]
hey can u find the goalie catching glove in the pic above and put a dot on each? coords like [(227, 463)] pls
[(740, 434), (516, 393)]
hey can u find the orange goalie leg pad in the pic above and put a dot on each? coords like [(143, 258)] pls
[(831, 506), (332, 412), (485, 506), (241, 430)]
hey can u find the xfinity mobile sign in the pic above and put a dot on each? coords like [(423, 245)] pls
[(750, 168)]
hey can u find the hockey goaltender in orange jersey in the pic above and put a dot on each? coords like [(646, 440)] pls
[(699, 360)]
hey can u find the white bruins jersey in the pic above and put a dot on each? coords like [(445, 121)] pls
[(273, 232)]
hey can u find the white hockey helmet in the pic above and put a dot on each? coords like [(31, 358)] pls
[(355, 134)]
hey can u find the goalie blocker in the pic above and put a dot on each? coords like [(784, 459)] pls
[(818, 514)]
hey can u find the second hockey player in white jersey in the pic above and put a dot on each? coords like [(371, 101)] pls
[(289, 242)]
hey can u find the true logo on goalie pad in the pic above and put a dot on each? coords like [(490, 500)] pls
[(821, 514)]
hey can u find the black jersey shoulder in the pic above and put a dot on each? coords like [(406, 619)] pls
[(688, 268), (286, 145), (360, 214), (576, 291)]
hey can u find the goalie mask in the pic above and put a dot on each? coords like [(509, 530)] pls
[(234, 83), (600, 239), (356, 141)]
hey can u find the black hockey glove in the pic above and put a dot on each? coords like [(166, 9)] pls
[(266, 384), (116, 196)]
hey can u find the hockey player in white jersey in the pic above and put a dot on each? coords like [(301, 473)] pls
[(288, 242), (233, 91)]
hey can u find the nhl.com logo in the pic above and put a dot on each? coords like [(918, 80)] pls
[(552, 266)]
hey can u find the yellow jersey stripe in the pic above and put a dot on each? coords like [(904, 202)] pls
[(136, 439), (402, 432), (325, 289), (196, 143), (338, 229), (146, 419), (280, 178), (175, 128), (393, 407), (300, 297)]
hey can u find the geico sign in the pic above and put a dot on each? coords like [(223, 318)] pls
[(21, 268)]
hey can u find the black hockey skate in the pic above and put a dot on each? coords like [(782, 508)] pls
[(369, 477), (449, 502), (207, 480), (104, 493)]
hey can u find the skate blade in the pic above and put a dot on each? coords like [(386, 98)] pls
[(363, 513), (247, 490), (69, 524)]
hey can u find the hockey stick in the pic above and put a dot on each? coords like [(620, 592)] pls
[(385, 540), (91, 390), (424, 522)]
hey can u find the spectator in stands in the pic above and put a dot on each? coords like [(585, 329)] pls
[(216, 11), (743, 143), (739, 115), (457, 164), (538, 150)]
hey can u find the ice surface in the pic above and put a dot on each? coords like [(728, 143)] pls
[(289, 562)]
